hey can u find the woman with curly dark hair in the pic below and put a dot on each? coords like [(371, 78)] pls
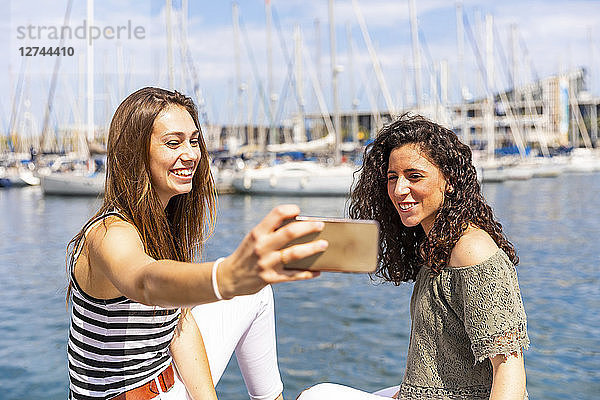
[(468, 321)]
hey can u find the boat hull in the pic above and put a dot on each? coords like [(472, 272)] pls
[(73, 185), (296, 179)]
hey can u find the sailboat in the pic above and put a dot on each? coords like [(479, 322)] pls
[(19, 177), (79, 181), (301, 178), (68, 176), (304, 178), (70, 184)]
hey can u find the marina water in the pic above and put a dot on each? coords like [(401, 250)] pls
[(336, 328)]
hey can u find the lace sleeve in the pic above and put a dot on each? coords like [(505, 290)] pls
[(488, 300)]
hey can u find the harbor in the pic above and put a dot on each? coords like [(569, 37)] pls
[(289, 97), (518, 123), (338, 327)]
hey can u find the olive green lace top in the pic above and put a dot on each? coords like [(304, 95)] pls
[(460, 318)]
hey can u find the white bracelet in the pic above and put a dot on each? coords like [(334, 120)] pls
[(215, 285)]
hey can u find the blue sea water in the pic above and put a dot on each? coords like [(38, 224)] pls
[(337, 328)]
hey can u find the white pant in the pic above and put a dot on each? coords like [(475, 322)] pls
[(246, 325), (177, 391), (332, 391)]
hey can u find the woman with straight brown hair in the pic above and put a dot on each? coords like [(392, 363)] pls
[(131, 267)]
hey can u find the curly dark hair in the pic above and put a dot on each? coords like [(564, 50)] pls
[(404, 250)]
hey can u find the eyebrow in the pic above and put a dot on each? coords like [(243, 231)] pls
[(179, 133), (408, 170)]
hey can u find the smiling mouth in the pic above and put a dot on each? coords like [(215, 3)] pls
[(183, 172), (406, 206)]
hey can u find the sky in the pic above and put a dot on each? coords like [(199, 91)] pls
[(550, 36)]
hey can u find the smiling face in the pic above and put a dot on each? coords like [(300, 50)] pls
[(415, 186), (174, 152)]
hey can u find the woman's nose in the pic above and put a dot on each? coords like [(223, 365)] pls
[(401, 187), (190, 152)]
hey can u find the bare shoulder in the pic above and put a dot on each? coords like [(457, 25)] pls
[(113, 237), (112, 229), (474, 247)]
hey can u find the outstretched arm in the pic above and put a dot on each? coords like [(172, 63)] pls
[(189, 356), (117, 253)]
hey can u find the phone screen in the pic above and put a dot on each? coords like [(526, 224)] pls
[(353, 246)]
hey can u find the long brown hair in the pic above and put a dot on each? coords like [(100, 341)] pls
[(403, 250), (178, 231)]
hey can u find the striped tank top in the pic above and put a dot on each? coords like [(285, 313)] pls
[(115, 345)]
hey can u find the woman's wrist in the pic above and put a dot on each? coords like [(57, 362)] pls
[(214, 280), (224, 279)]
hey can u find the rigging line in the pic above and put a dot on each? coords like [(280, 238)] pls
[(4, 122), (370, 97), (361, 91), (54, 79), (503, 59), (255, 110), (326, 115), (429, 62), (528, 58), (369, 93), (290, 81), (475, 49), (16, 108), (259, 85), (426, 50), (365, 88), (180, 23), (374, 59), (196, 85), (192, 75)]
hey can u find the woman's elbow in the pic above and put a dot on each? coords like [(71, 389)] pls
[(146, 286)]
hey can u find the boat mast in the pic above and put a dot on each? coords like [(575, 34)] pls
[(444, 89), (170, 67), (238, 80), (325, 114), (414, 30), (50, 101), (490, 125), (273, 134), (526, 93), (514, 63), (434, 89), (300, 129), (375, 114), (477, 40), (374, 59), (460, 39), (593, 110), (317, 26), (352, 86), (16, 104), (576, 112), (120, 72), (90, 75), (334, 73), (184, 75)]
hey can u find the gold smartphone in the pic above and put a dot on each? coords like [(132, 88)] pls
[(353, 246)]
